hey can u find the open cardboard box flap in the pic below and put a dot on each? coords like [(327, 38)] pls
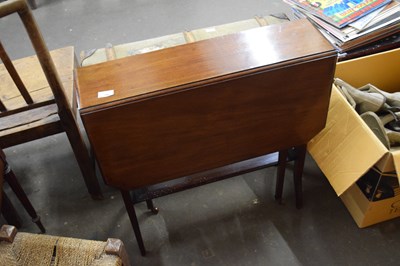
[(346, 148)]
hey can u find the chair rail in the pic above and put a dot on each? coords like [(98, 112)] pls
[(12, 6)]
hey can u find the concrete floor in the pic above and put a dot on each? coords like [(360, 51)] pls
[(231, 222)]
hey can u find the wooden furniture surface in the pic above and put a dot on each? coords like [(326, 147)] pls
[(35, 100), (112, 52), (203, 105), (386, 44), (32, 4), (37, 86)]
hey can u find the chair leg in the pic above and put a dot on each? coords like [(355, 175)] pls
[(298, 174), (280, 174), (21, 195), (81, 153), (9, 212), (134, 221)]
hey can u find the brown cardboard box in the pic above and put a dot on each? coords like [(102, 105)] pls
[(347, 149)]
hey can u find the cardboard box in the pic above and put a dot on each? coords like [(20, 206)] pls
[(374, 198), (347, 149)]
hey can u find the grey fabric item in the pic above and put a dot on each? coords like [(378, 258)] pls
[(388, 137), (375, 124), (348, 97), (388, 118), (393, 99), (365, 101), (393, 136)]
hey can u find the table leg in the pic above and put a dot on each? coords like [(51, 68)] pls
[(150, 206), (298, 173), (134, 221), (280, 174)]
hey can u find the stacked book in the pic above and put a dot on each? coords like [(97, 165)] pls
[(350, 24)]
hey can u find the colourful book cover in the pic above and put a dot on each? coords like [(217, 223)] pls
[(340, 12)]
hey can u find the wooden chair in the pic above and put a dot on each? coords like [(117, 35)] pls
[(7, 209), (32, 4), (35, 101)]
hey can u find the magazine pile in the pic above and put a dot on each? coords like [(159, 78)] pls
[(349, 24)]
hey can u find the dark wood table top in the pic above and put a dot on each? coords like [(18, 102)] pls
[(199, 106), (186, 65)]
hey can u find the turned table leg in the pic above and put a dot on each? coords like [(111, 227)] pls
[(134, 221)]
